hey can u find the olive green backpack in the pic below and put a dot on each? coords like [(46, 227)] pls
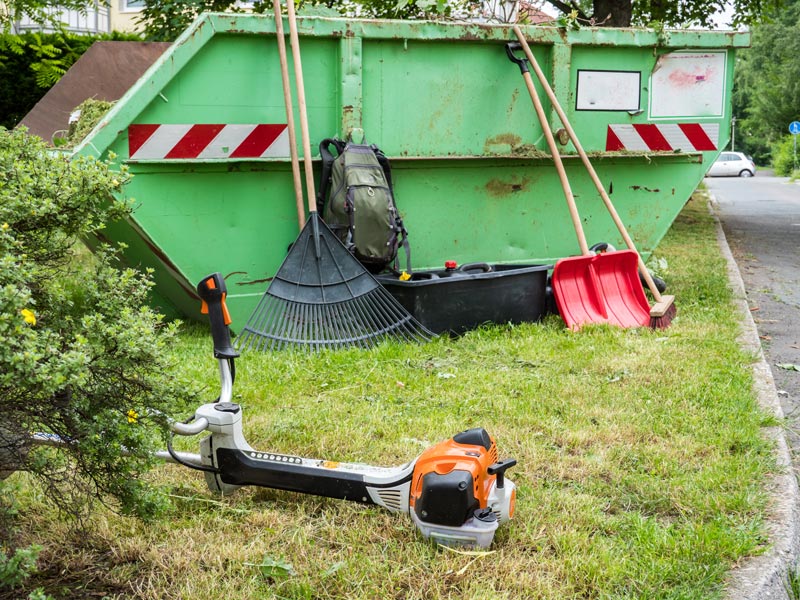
[(356, 201)]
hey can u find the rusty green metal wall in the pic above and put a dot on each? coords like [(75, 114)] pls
[(473, 180)]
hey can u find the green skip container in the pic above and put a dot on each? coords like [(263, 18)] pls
[(204, 134)]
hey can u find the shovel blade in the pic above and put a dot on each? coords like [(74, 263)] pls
[(577, 292), (604, 288)]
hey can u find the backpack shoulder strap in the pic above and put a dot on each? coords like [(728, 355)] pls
[(405, 245), (384, 163), (327, 165), (402, 233)]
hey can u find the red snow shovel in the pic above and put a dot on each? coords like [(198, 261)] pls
[(592, 288), (601, 288), (663, 311)]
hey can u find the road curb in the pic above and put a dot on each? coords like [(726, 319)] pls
[(764, 577)]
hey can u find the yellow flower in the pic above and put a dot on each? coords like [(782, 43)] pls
[(404, 276), (133, 416), (28, 315), (4, 226)]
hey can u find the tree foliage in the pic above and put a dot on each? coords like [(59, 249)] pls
[(685, 13), (784, 156), (39, 11), (82, 357), (165, 20), (767, 85)]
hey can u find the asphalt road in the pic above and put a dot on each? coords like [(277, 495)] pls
[(761, 219)]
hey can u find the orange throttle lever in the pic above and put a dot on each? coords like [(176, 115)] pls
[(212, 292)]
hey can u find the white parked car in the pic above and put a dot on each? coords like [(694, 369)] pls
[(732, 164)]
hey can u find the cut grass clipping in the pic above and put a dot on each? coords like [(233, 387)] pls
[(641, 465)]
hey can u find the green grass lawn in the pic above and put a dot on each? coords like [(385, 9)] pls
[(641, 465)]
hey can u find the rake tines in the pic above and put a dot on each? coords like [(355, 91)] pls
[(322, 297)]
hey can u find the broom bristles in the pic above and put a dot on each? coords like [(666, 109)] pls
[(662, 313)]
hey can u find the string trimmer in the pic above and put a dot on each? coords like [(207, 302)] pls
[(456, 491)]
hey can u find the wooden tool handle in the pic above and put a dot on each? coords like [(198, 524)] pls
[(585, 159), (562, 174), (301, 101), (287, 100)]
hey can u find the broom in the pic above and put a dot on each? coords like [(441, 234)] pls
[(321, 296), (664, 309)]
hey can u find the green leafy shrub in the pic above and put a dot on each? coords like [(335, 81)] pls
[(17, 567), (83, 357), (783, 156)]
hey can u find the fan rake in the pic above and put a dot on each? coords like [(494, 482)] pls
[(321, 296)]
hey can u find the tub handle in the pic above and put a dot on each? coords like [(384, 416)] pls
[(485, 267)]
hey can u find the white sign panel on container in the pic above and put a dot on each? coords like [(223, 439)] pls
[(608, 90), (688, 84)]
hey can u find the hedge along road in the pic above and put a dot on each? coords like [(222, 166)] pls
[(761, 219)]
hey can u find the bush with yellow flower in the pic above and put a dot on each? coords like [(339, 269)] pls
[(82, 356)]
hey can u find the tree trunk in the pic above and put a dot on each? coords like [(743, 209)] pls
[(612, 13)]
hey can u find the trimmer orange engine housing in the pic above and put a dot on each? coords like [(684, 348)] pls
[(457, 477)]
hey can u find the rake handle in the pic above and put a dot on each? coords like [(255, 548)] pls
[(551, 143), (301, 101), (287, 100), (585, 159)]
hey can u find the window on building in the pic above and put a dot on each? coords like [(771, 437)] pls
[(131, 5)]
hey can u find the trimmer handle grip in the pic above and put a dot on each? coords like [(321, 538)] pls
[(212, 292), (522, 63), (499, 468)]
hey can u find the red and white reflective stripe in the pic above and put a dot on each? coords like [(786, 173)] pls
[(207, 141), (685, 137)]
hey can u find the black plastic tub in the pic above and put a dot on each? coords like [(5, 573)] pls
[(456, 300)]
